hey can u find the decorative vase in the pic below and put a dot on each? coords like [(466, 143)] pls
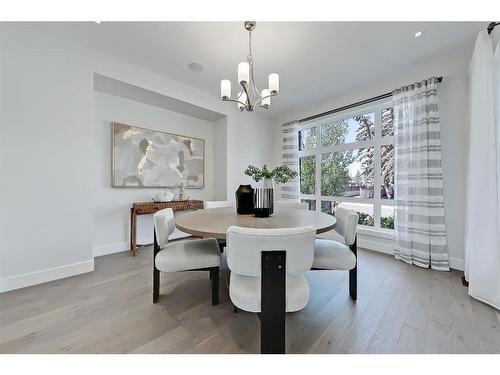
[(264, 199), (244, 200)]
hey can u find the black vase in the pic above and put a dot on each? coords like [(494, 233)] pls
[(244, 200)]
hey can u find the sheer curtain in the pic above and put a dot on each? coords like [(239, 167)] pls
[(290, 157), (482, 243), (420, 236)]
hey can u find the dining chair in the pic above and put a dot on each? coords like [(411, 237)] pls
[(218, 204), (291, 204), (187, 255), (268, 276), (340, 254)]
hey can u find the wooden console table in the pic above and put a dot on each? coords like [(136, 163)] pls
[(144, 208)]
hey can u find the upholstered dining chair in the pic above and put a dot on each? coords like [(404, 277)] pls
[(218, 204), (290, 204), (267, 276), (340, 254), (187, 255)]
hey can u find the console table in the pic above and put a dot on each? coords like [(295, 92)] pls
[(145, 208)]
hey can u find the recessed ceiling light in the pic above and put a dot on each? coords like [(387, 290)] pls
[(196, 67), (417, 34)]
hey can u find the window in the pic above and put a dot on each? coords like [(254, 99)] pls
[(311, 203), (307, 167), (307, 139), (348, 161)]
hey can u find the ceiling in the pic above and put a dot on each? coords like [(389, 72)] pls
[(316, 60)]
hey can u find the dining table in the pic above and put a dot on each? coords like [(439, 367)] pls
[(214, 222)]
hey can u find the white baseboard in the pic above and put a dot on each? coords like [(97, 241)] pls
[(118, 247), (457, 264), (43, 276), (375, 246), (386, 246), (125, 246)]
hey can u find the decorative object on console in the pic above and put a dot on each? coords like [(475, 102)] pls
[(181, 194), (244, 200), (264, 195), (164, 196), (246, 79), (152, 158)]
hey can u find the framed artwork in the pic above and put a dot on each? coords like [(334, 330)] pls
[(152, 158)]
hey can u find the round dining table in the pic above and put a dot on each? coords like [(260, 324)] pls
[(214, 222)]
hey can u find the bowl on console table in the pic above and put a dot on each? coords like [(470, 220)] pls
[(163, 196)]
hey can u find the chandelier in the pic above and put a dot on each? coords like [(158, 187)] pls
[(250, 97)]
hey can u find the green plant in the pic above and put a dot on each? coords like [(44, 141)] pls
[(365, 219), (387, 222), (281, 174)]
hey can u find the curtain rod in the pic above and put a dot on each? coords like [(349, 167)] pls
[(491, 26), (353, 105)]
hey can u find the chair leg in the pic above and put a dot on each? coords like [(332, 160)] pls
[(214, 275), (353, 274), (156, 284), (156, 272), (222, 244), (273, 302)]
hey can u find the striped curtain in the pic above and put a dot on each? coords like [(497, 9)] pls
[(290, 157), (420, 236)]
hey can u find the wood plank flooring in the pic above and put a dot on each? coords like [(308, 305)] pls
[(400, 309)]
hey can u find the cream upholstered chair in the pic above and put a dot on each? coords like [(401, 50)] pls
[(290, 204), (188, 255), (267, 276), (342, 254), (218, 204)]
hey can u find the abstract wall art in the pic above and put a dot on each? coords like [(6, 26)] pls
[(152, 158)]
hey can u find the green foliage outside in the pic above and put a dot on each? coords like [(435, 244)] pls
[(387, 222), (307, 166), (365, 219), (335, 165)]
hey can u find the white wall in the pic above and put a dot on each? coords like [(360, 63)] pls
[(47, 125), (112, 205), (45, 112), (220, 159), (250, 141), (452, 65)]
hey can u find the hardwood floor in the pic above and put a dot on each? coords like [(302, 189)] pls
[(400, 309)]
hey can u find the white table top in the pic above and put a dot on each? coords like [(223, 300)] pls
[(215, 221)]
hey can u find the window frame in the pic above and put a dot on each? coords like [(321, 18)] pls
[(376, 143)]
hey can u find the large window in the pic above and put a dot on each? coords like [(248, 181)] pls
[(348, 161)]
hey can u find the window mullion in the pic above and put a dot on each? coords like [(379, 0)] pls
[(377, 169), (318, 170)]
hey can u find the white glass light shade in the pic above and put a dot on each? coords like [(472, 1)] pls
[(274, 83), (242, 97), (225, 89), (267, 101), (243, 72)]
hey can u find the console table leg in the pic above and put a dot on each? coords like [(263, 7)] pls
[(133, 230)]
